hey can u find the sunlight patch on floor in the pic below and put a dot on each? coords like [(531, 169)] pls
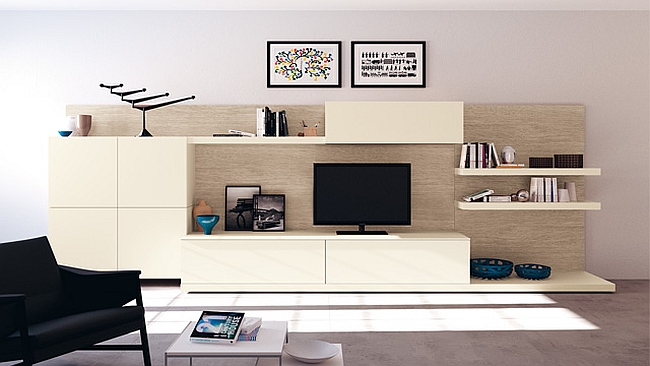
[(400, 320)]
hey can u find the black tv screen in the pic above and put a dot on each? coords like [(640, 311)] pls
[(362, 194)]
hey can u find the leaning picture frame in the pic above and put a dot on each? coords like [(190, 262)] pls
[(303, 64), (268, 212), (239, 207), (388, 64)]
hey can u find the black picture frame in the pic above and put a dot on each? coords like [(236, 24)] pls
[(388, 64), (239, 207), (283, 60), (268, 212)]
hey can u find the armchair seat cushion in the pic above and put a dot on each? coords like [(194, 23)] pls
[(80, 330)]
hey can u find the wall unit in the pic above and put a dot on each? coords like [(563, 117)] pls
[(120, 202), (283, 165)]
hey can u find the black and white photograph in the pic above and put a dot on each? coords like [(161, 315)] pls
[(239, 207), (378, 64), (268, 212)]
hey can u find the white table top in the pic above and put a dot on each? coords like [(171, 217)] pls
[(269, 343)]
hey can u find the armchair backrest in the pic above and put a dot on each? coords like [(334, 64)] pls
[(29, 267)]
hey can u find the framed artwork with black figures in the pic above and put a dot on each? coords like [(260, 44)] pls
[(306, 64), (239, 207), (268, 212), (389, 64)]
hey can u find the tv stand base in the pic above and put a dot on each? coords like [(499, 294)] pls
[(356, 232)]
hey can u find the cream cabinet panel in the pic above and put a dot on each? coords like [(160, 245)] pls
[(83, 172), (253, 261), (149, 240), (397, 262), (84, 238), (394, 122), (155, 172)]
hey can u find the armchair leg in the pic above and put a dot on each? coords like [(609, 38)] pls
[(146, 355)]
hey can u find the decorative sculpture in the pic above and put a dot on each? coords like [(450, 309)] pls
[(143, 108)]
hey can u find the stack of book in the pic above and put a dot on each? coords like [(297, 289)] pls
[(249, 329), (478, 155), (487, 195), (271, 123), (543, 189)]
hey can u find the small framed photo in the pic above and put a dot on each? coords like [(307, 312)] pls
[(315, 64), (389, 64), (268, 212), (239, 207)]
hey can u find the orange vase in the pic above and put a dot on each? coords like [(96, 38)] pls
[(201, 208)]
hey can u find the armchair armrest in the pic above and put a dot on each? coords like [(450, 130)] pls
[(87, 290), (12, 314)]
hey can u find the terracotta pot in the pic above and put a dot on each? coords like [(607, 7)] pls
[(84, 122), (201, 208)]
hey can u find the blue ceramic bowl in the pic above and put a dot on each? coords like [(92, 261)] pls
[(490, 268), (531, 271), (207, 222), (65, 133)]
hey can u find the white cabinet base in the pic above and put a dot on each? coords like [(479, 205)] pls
[(308, 261), (400, 261), (258, 262)]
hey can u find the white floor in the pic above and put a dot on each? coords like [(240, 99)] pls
[(169, 310)]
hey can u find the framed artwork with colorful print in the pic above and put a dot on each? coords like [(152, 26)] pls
[(306, 64)]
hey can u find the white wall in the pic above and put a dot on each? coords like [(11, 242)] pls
[(598, 58)]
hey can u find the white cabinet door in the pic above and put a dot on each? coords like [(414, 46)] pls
[(149, 240), (397, 262), (84, 237), (394, 122), (83, 172), (253, 261), (154, 172)]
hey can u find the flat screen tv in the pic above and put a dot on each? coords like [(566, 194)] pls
[(362, 194)]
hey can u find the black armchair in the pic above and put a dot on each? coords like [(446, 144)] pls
[(48, 310)]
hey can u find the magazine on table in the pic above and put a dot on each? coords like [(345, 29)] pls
[(217, 327)]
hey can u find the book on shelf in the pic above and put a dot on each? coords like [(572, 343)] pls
[(478, 196), (543, 189), (272, 124), (498, 198), (261, 122), (217, 327), (506, 166), (478, 155), (227, 134), (241, 133)]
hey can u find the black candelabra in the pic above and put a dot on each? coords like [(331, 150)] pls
[(142, 107)]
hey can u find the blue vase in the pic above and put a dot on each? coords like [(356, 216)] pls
[(207, 222)]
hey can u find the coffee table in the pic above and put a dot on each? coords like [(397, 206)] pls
[(269, 344)]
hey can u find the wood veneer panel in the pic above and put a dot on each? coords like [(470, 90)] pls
[(191, 120), (555, 238), (288, 170)]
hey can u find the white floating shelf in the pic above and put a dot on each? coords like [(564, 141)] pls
[(285, 140), (529, 171), (577, 206)]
